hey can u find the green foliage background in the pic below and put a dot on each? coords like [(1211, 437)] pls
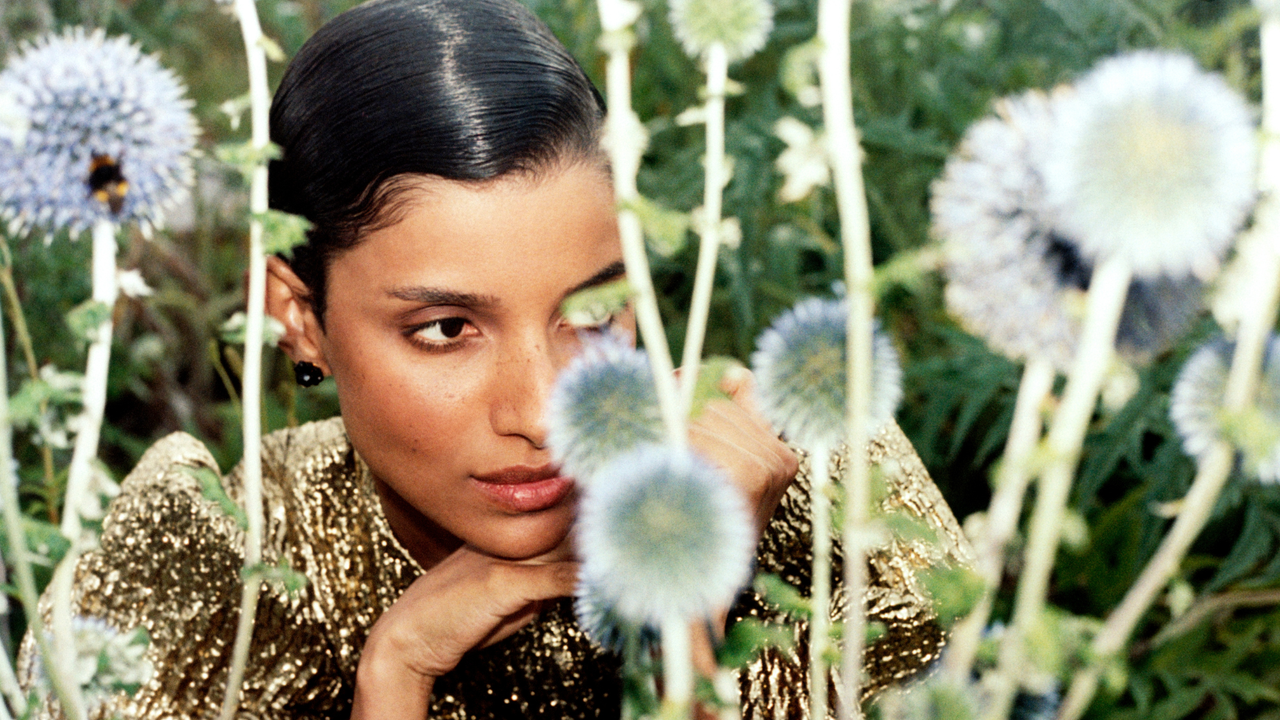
[(923, 71)]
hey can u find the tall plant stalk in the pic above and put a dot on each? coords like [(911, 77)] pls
[(717, 64), (1242, 382), (624, 143), (1108, 288), (1006, 505), (820, 591), (251, 379), (23, 338), (845, 157)]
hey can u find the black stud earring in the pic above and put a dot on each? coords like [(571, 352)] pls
[(307, 374)]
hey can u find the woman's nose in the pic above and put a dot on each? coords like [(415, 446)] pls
[(522, 382)]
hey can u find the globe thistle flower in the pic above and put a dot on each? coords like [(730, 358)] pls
[(1153, 161), (107, 661), (662, 535), (604, 403), (743, 26), (597, 616), (1014, 276), (801, 371), (109, 134), (1195, 404)]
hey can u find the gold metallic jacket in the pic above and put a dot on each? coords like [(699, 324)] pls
[(170, 559)]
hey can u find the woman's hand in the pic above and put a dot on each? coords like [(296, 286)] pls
[(733, 435), (469, 600)]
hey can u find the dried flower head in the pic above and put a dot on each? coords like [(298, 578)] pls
[(801, 371), (1014, 277), (1153, 161), (1196, 406), (663, 534), (603, 404), (742, 26), (109, 134)]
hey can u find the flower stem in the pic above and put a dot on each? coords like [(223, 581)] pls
[(625, 145), (251, 378), (95, 379), (23, 338), (1006, 506), (677, 664), (1108, 288), (709, 247), (845, 157), (820, 589)]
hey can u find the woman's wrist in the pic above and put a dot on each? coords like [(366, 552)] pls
[(387, 686)]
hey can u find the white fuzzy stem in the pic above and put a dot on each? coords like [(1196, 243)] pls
[(624, 144), (845, 157), (820, 593), (64, 646), (1242, 381), (95, 379), (17, 545), (677, 663), (251, 380), (1108, 288), (709, 248), (1006, 505)]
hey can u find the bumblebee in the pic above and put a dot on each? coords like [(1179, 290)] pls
[(107, 183)]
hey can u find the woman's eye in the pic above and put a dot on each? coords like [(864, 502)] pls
[(442, 331)]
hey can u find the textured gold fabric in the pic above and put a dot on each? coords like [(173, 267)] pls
[(170, 559)]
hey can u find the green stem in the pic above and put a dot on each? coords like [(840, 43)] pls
[(625, 146), (845, 157), (1108, 288), (709, 248), (251, 378), (1006, 506)]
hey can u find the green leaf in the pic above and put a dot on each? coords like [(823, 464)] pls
[(282, 231), (782, 595), (282, 576), (597, 305), (244, 157), (212, 490), (85, 319), (748, 638), (667, 229), (955, 591)]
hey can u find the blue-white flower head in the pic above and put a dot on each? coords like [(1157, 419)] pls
[(1153, 162), (743, 26), (801, 370), (662, 535), (109, 134), (1196, 402), (598, 617), (1014, 277), (604, 403)]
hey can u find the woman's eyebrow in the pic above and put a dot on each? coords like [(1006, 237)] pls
[(612, 271), (438, 296)]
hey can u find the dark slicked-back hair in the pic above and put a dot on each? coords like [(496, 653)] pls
[(467, 90)]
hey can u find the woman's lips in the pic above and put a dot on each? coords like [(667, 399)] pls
[(523, 489)]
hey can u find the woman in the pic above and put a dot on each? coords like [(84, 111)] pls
[(447, 153)]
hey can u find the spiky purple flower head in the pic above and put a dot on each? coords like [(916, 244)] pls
[(663, 534), (108, 134), (801, 371), (604, 403)]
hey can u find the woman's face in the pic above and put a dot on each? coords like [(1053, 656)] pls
[(443, 333)]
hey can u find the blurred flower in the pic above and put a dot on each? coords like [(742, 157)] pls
[(106, 662), (1014, 277), (598, 618), (603, 404), (801, 371), (1196, 406), (109, 134), (618, 14), (663, 534), (804, 163), (132, 284), (1153, 161), (742, 25)]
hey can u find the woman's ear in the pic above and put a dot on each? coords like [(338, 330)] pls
[(289, 301)]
